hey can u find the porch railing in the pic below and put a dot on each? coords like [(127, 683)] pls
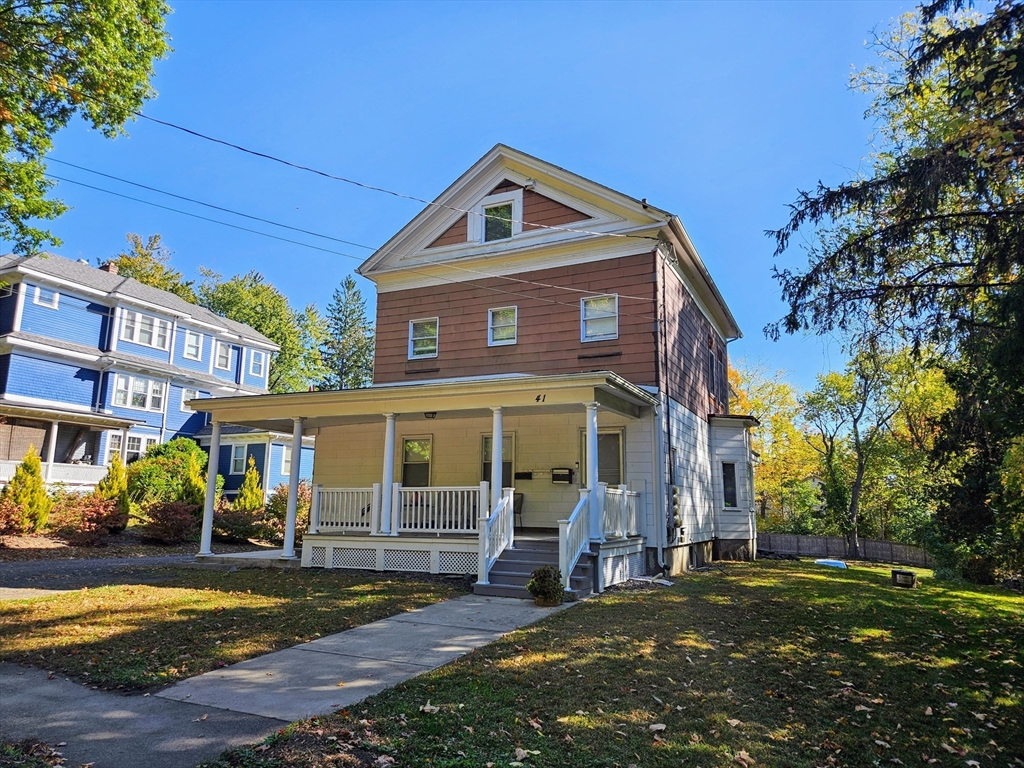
[(57, 472), (344, 509), (574, 537), (438, 510), (497, 533), (621, 512)]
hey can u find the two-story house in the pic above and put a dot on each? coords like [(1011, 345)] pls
[(549, 385), (93, 363)]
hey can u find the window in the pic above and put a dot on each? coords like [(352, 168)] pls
[(609, 457), (712, 374), (238, 459), (599, 318), (416, 462), (507, 457), (423, 338), (286, 461), (146, 330), (497, 222), (729, 485), (134, 448), (137, 392), (256, 362), (223, 359), (186, 395), (193, 345), (46, 297), (114, 445), (501, 326), (497, 217)]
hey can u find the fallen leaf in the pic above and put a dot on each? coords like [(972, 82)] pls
[(928, 711), (744, 759), (341, 683), (881, 743), (734, 722), (521, 754), (657, 727), (429, 708), (862, 708)]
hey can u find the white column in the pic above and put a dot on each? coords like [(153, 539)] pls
[(389, 473), (51, 450), (293, 491), (211, 487), (595, 506), (496, 441)]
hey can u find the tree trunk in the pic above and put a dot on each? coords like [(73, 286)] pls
[(858, 481)]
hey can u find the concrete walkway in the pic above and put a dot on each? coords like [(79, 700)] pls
[(198, 718)]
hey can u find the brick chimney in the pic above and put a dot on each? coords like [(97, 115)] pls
[(110, 267)]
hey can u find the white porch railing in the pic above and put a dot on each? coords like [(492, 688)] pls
[(497, 533), (438, 510), (335, 510), (574, 537), (67, 474), (621, 512)]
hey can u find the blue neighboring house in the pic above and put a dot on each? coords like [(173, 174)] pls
[(272, 452), (93, 363)]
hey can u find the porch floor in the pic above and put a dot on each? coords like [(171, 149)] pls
[(260, 558)]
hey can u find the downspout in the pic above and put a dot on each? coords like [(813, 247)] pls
[(663, 456)]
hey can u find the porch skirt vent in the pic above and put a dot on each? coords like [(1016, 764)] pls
[(406, 560), (619, 568), (353, 558), (457, 562), (318, 558)]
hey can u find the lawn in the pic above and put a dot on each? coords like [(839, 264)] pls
[(138, 636), (777, 664)]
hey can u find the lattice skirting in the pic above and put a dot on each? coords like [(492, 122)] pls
[(457, 562), (619, 568), (318, 557), (353, 558), (406, 560), (379, 554)]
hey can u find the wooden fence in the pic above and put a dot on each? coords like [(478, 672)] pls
[(837, 546)]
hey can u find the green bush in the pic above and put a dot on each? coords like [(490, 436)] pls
[(86, 520), (235, 525), (114, 487), (167, 473), (27, 491), (171, 522), (250, 495), (193, 486), (275, 514), (545, 584)]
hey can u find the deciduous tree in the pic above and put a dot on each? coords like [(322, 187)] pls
[(149, 262)]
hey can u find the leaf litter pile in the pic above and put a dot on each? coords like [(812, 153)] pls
[(773, 664)]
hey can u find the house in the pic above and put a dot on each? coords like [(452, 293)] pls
[(270, 451), (549, 386), (93, 363)]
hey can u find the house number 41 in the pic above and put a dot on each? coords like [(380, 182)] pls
[(540, 398)]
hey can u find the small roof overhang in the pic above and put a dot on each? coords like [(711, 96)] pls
[(733, 420), (94, 420), (445, 399)]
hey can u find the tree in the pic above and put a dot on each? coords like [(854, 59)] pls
[(149, 263), (250, 494), (28, 492), (347, 347), (250, 299), (91, 58), (115, 488)]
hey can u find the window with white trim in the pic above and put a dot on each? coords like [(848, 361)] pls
[(729, 485), (193, 349), (146, 330), (186, 395), (599, 317), (497, 217), (257, 360), (238, 454), (223, 359), (416, 456), (138, 392), (502, 326), (135, 447), (423, 337), (114, 445), (286, 461), (508, 453), (46, 297)]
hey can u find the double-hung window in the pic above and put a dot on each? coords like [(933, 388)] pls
[(286, 461), (238, 452), (46, 297), (599, 318), (146, 330), (416, 455), (138, 392), (114, 445), (193, 349), (508, 450), (257, 360), (223, 359), (502, 326), (186, 395), (423, 338)]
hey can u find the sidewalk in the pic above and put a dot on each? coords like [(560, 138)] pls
[(198, 718)]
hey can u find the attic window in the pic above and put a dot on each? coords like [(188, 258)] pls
[(498, 222), (496, 218)]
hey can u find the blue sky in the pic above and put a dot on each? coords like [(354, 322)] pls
[(718, 112)]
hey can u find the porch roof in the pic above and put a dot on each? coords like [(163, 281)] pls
[(459, 398), (83, 418)]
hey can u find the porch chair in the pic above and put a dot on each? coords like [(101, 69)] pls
[(517, 511)]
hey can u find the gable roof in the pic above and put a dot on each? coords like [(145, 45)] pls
[(614, 223), (119, 287)]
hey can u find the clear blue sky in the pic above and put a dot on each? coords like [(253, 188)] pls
[(718, 112)]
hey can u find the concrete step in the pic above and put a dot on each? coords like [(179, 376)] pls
[(520, 580), (499, 590)]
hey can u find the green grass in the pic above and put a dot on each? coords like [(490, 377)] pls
[(28, 754), (785, 664), (138, 636)]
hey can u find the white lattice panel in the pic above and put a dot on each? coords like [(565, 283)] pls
[(406, 560), (615, 569), (636, 565), (354, 558), (318, 557), (457, 562)]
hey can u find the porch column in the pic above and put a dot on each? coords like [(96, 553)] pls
[(496, 441), (596, 524), (288, 552), (388, 478), (51, 450), (211, 488)]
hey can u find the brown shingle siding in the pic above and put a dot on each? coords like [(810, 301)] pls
[(455, 234)]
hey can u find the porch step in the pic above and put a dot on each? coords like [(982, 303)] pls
[(511, 572)]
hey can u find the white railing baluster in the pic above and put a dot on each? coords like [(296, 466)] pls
[(574, 537), (496, 534)]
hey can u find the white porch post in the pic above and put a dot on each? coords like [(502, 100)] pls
[(293, 491), (51, 450), (496, 441), (389, 473), (211, 488), (596, 523)]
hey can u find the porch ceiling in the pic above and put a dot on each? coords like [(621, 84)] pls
[(453, 399), (92, 420)]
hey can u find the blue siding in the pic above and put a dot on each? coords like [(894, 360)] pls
[(231, 375), (151, 418), (179, 351), (233, 482), (181, 423), (247, 377), (131, 348), (62, 382), (8, 308), (277, 476), (75, 319)]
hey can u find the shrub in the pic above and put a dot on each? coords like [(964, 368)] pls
[(171, 522), (276, 512), (545, 584), (114, 487), (163, 474), (236, 525), (193, 485), (11, 519), (27, 491), (250, 495), (86, 520)]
